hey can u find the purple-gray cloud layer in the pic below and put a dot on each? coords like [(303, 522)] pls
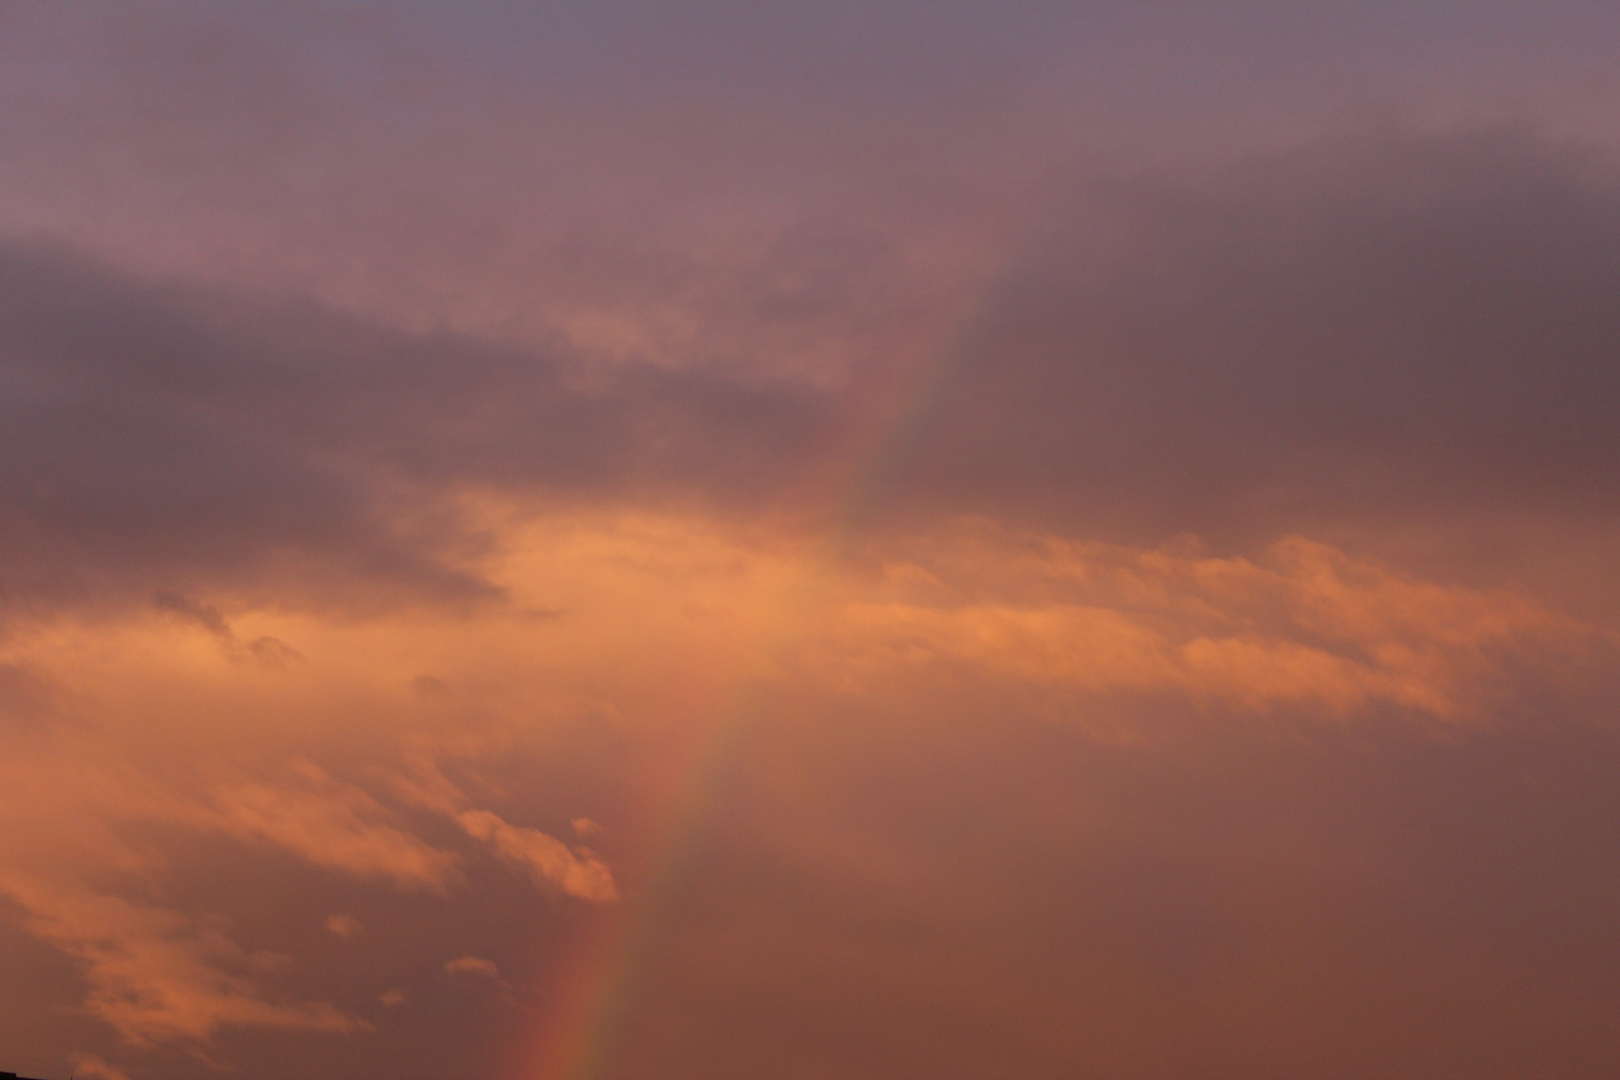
[(155, 431), (1377, 326), (1383, 327)]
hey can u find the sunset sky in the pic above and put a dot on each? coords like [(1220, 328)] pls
[(834, 540)]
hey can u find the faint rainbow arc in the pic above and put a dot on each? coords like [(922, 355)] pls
[(597, 989)]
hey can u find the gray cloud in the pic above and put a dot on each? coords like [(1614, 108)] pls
[(1386, 328), (154, 433), (1380, 327)]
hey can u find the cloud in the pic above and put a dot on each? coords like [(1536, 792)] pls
[(121, 840), (265, 649), (176, 438), (156, 975), (473, 965), (92, 1067), (204, 615), (1383, 326), (1304, 629), (335, 826), (84, 855), (548, 860), (896, 789), (1350, 340)]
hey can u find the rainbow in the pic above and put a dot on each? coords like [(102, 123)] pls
[(594, 993)]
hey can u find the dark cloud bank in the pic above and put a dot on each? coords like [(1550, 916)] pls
[(1378, 327), (153, 431), (1387, 328)]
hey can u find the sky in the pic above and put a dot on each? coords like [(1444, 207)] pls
[(839, 541)]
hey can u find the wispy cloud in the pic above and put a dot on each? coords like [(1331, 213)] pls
[(1304, 627), (156, 974)]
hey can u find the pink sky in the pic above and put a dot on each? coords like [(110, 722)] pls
[(857, 541)]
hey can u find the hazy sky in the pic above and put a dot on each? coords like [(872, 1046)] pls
[(838, 541)]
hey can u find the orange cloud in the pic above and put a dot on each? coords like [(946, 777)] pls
[(92, 1067), (332, 825), (155, 974), (548, 860), (1305, 626), (473, 965), (376, 761)]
